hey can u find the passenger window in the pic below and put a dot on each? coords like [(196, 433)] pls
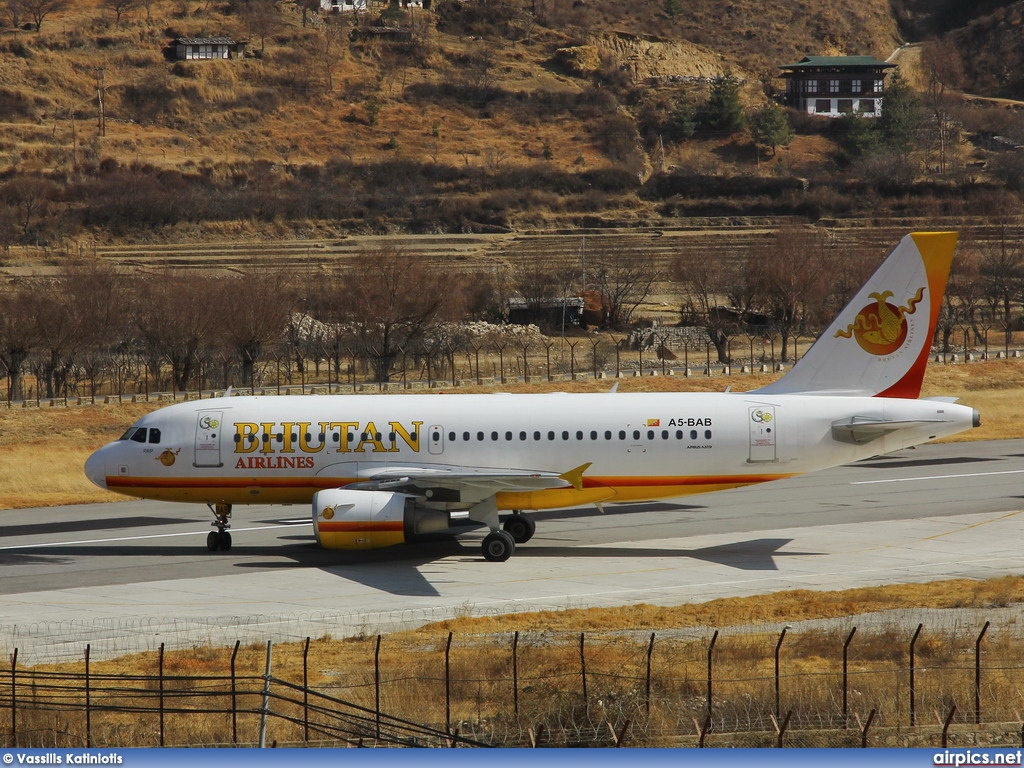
[(536, 435), (508, 435), (622, 434), (707, 434), (480, 436), (607, 434), (451, 437), (579, 435), (650, 434), (551, 435), (664, 434), (679, 434), (693, 434), (465, 436), (565, 434), (593, 434), (522, 436), (494, 435), (636, 434)]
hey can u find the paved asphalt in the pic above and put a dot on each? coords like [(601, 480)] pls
[(128, 576)]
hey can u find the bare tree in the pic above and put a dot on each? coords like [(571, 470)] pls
[(40, 9), (262, 18), (943, 70), (174, 318), (707, 283), (1002, 274), (29, 198), (119, 7), (333, 34), (391, 300), (625, 279), (252, 314), (792, 271), (19, 335), (14, 11)]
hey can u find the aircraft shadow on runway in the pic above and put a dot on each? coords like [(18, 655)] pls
[(413, 569)]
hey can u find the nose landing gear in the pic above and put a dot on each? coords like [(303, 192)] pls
[(219, 540)]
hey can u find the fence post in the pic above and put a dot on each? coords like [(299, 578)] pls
[(234, 695), (88, 700), (780, 730), (583, 666), (864, 728), (913, 701), (305, 690), (846, 689), (448, 684), (515, 673), (977, 674), (650, 653), (14, 699), (711, 648), (265, 708), (376, 686), (702, 730), (945, 726), (160, 667), (778, 650)]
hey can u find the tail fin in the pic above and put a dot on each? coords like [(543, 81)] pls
[(879, 343)]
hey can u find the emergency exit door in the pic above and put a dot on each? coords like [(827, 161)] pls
[(761, 420), (209, 425)]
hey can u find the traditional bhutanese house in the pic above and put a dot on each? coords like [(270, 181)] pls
[(836, 85), (207, 48)]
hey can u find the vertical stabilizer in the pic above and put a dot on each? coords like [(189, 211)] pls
[(879, 344)]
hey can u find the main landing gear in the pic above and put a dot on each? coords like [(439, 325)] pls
[(219, 540), (498, 546)]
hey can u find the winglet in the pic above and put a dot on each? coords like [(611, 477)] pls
[(575, 476), (879, 344)]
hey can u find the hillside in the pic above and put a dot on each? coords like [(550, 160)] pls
[(477, 116)]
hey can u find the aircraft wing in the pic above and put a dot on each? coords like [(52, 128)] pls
[(478, 482), (863, 429)]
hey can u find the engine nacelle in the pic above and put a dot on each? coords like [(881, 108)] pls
[(345, 519)]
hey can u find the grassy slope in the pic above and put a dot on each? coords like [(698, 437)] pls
[(279, 110)]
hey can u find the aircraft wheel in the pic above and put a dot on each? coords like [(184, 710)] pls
[(520, 527), (498, 546), (212, 541), (225, 541)]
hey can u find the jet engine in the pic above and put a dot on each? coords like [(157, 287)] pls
[(347, 519)]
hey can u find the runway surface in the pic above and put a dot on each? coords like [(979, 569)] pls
[(128, 576)]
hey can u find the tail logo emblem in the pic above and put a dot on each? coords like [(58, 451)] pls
[(881, 328)]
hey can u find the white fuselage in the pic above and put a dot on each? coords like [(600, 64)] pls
[(240, 450)]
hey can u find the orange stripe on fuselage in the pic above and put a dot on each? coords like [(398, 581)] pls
[(300, 490)]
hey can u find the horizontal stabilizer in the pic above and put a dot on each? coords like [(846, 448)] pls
[(863, 429)]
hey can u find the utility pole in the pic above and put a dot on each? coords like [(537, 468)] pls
[(99, 98)]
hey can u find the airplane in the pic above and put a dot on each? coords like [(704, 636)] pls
[(385, 469)]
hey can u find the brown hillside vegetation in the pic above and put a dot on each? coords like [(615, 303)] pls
[(488, 116)]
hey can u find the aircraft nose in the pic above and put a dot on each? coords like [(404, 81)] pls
[(95, 469)]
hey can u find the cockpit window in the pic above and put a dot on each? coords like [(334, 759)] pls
[(142, 435)]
